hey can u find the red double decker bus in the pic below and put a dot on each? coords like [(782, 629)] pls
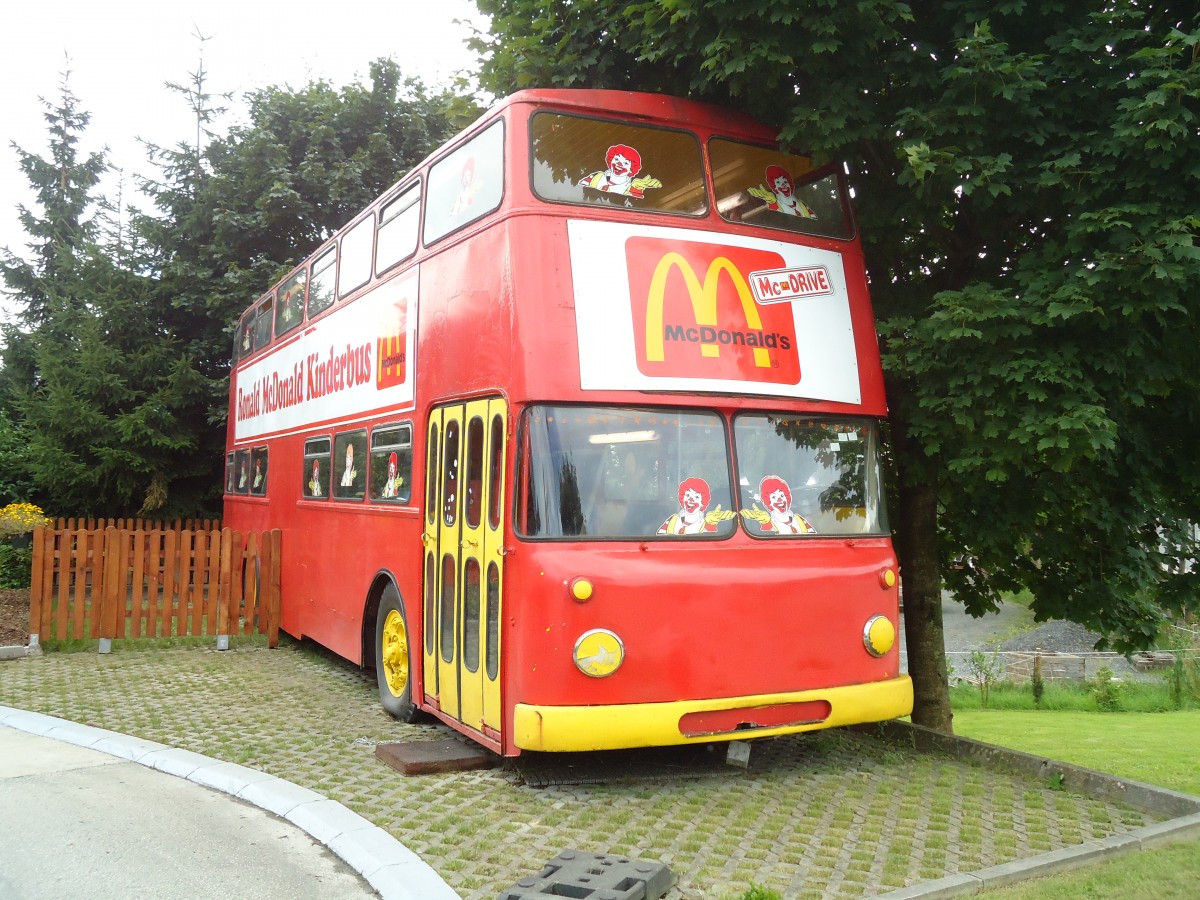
[(573, 435)]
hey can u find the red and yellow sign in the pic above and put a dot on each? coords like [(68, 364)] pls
[(695, 315)]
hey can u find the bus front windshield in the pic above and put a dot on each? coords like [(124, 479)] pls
[(616, 473), (804, 475)]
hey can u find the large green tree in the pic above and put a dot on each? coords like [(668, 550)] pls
[(116, 373), (232, 215), (60, 227), (93, 379), (1027, 178)]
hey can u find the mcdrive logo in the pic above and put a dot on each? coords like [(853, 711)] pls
[(695, 315)]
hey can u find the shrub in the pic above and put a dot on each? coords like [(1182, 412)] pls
[(1035, 681), (15, 565), (985, 670), (758, 892), (1106, 690)]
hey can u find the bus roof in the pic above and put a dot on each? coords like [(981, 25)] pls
[(647, 106)]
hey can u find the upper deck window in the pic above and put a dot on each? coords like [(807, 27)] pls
[(357, 251), (760, 186), (262, 321), (466, 185), (289, 311), (397, 238), (320, 290), (602, 162)]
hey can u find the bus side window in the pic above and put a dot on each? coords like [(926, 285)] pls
[(465, 185), (258, 471), (230, 473), (316, 468), (391, 464), (289, 312), (350, 458), (397, 238), (262, 321), (320, 287), (357, 251), (241, 484), (243, 342)]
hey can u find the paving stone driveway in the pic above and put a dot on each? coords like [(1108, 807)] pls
[(827, 814)]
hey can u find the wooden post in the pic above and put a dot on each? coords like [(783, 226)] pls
[(273, 591), (109, 593), (37, 584)]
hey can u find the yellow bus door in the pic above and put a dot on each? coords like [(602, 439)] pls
[(464, 560), (449, 526), (496, 430), (432, 559)]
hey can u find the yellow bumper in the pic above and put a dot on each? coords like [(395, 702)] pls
[(576, 728)]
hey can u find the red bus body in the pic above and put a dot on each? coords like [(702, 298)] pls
[(531, 623)]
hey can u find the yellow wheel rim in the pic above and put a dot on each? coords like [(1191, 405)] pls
[(395, 653)]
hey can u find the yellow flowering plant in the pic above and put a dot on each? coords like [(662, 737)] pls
[(21, 518)]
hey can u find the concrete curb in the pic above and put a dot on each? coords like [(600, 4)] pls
[(1183, 809), (393, 870), (18, 651)]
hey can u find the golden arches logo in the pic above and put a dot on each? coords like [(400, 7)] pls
[(703, 297)]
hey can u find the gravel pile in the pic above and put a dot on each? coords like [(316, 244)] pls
[(1057, 636)]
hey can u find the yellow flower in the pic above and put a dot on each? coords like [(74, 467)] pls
[(20, 518)]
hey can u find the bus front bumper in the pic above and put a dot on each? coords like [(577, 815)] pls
[(558, 729)]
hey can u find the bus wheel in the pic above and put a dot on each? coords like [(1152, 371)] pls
[(393, 664)]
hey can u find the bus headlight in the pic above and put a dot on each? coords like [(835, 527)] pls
[(599, 652), (879, 635)]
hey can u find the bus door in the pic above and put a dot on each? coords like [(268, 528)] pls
[(464, 560)]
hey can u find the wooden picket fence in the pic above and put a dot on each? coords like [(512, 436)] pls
[(103, 580), (139, 524)]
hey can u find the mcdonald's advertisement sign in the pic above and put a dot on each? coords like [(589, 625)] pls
[(674, 309)]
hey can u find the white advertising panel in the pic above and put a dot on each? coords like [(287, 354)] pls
[(674, 309), (356, 361)]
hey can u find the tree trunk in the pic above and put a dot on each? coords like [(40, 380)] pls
[(916, 545)]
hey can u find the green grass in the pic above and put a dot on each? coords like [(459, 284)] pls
[(1158, 748), (1134, 696)]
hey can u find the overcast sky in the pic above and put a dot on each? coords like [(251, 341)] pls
[(121, 53)]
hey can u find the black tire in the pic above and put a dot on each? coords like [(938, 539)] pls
[(393, 657)]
